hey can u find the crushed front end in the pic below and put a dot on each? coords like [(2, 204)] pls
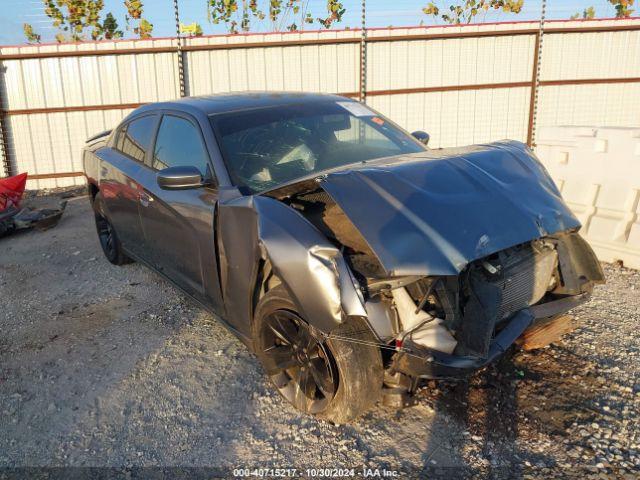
[(456, 253), (462, 323), (446, 326)]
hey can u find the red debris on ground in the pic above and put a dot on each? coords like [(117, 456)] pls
[(11, 190)]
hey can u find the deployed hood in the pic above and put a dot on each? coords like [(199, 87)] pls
[(433, 213)]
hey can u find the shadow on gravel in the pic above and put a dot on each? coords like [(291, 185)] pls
[(488, 406), (559, 388), (523, 397)]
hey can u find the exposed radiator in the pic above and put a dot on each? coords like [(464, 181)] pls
[(524, 278)]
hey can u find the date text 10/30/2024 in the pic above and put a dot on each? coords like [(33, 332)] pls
[(315, 472)]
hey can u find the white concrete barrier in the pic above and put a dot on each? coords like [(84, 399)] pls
[(598, 173)]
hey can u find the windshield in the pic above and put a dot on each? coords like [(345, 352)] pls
[(263, 148)]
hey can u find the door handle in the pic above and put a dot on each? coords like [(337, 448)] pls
[(145, 199)]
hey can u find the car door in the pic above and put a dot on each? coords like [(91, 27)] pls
[(119, 187), (178, 225)]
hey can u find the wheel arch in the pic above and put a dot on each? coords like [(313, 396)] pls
[(93, 191)]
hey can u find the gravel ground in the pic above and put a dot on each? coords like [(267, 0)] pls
[(111, 366)]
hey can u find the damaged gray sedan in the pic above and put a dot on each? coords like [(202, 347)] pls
[(353, 260)]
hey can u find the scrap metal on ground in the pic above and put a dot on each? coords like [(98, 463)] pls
[(14, 217)]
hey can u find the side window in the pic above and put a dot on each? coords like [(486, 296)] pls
[(134, 138), (179, 144)]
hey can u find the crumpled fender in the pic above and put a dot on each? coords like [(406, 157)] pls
[(313, 270)]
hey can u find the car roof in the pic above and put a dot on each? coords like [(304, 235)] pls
[(236, 101)]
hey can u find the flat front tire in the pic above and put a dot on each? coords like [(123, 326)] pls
[(336, 379)]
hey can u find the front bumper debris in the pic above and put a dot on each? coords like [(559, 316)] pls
[(417, 361)]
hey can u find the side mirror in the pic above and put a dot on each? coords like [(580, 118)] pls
[(423, 137), (177, 178)]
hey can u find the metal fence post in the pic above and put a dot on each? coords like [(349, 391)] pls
[(179, 51), (363, 55), (535, 79), (4, 140)]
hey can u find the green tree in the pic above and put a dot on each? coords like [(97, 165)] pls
[(465, 11), (29, 32), (226, 11), (587, 14), (623, 7), (75, 18), (134, 8), (292, 15), (336, 10), (144, 29), (623, 10), (110, 27), (141, 26)]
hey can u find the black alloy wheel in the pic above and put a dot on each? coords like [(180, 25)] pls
[(301, 366), (336, 377), (106, 236)]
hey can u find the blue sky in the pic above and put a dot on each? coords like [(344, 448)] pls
[(381, 13)]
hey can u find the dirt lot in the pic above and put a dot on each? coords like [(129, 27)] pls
[(109, 366)]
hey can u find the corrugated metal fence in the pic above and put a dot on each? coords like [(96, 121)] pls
[(463, 85)]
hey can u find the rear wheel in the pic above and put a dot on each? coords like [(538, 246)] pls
[(107, 235), (334, 379)]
